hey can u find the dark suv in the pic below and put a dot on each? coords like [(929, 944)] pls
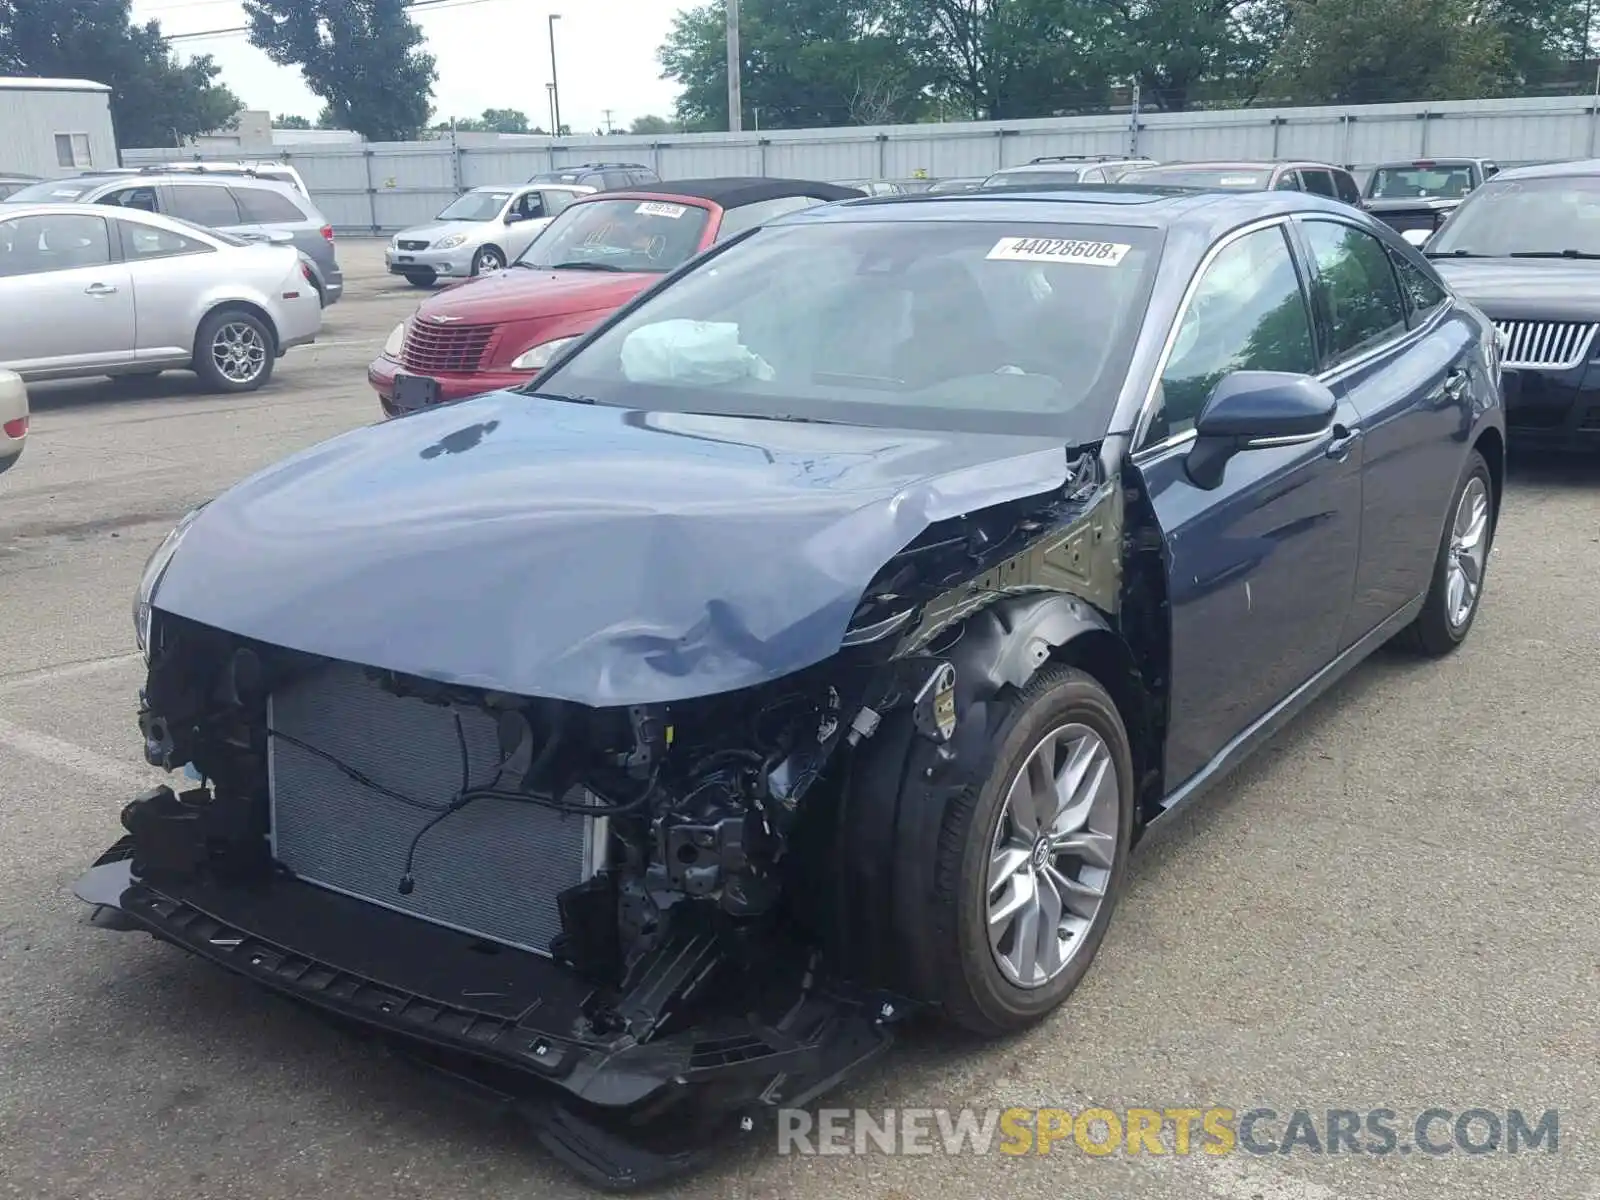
[(1419, 195), (602, 175), (1320, 179), (237, 202)]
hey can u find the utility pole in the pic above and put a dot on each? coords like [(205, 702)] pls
[(608, 112), (1133, 122), (735, 83), (555, 87), (550, 95)]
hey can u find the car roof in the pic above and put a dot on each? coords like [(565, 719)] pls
[(1555, 170), (1210, 212), (735, 191), (10, 212)]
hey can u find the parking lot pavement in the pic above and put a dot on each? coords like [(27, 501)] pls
[(1394, 907)]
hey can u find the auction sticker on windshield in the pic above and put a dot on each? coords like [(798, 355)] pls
[(1060, 250), (654, 208)]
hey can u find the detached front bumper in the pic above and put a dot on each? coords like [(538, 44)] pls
[(446, 264), (626, 1108)]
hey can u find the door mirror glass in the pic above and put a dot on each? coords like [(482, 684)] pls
[(1250, 409)]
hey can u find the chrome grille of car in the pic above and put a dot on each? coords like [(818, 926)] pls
[(411, 244), (1544, 345), (444, 349), (492, 868)]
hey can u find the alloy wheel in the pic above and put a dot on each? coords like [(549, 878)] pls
[(239, 351), (488, 262), (1469, 550), (1054, 847)]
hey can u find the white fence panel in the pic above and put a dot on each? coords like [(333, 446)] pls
[(386, 186)]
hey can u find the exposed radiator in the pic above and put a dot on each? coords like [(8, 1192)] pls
[(493, 868)]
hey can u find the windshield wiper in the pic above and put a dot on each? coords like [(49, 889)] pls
[(1453, 254), (1554, 254), (587, 266), (564, 398)]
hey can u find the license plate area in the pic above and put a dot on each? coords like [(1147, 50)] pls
[(412, 392)]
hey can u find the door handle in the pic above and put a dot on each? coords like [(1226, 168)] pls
[(99, 289), (1344, 436)]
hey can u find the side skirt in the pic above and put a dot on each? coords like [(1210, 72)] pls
[(1250, 739)]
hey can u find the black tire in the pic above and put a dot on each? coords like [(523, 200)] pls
[(975, 994), (422, 279), (482, 259), (211, 372), (1434, 633)]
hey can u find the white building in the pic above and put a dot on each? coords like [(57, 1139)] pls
[(55, 127)]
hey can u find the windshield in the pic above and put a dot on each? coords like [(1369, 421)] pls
[(619, 235), (476, 206), (1031, 178), (1554, 215), (1242, 179), (956, 326), (1416, 182), (54, 191)]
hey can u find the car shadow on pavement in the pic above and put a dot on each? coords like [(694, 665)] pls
[(72, 394), (1549, 468)]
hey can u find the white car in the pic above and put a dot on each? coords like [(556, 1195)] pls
[(13, 418), (90, 289), (479, 232)]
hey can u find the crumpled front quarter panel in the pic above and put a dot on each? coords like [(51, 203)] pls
[(593, 554)]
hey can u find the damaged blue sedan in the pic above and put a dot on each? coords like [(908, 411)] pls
[(805, 648)]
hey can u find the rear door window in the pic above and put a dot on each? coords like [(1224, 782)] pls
[(617, 179), (267, 207), (555, 200), (208, 204), (140, 242), (1358, 287), (1289, 181), (1345, 184), (1318, 182), (142, 198)]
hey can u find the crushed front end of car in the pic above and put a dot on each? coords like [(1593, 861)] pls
[(641, 922)]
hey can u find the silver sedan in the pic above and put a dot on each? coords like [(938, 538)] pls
[(93, 290)]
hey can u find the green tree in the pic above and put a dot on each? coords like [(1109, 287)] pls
[(285, 121), (505, 120), (363, 57), (155, 100), (806, 63), (1176, 47), (1370, 51), (652, 125)]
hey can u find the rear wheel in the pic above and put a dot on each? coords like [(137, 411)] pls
[(422, 279), (234, 351), (1459, 568), (1030, 864)]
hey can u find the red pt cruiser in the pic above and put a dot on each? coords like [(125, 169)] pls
[(500, 330)]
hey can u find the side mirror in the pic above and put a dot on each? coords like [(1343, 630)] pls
[(1251, 410), (513, 218)]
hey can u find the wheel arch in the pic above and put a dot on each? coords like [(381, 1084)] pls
[(249, 306), (1491, 443), (900, 784)]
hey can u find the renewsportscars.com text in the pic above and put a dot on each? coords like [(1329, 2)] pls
[(1175, 1131)]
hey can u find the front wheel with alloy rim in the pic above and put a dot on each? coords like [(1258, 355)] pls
[(234, 351), (1460, 566), (488, 261), (1032, 861)]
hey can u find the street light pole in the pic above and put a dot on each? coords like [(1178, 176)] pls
[(735, 88), (555, 87)]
